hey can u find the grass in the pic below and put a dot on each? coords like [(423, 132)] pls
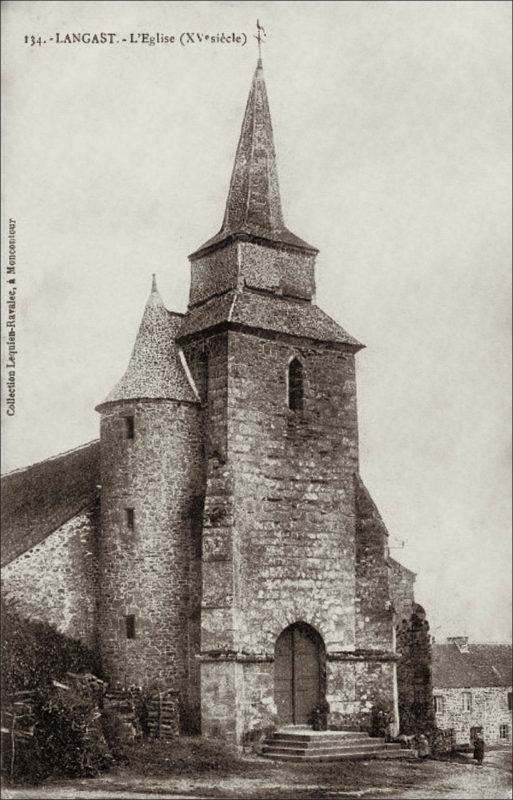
[(187, 755), (192, 766)]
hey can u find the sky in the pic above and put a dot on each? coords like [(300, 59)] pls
[(392, 125)]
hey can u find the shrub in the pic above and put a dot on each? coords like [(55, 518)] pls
[(441, 743), (34, 653), (68, 737), (115, 733)]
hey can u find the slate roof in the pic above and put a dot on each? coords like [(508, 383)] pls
[(394, 564), (156, 369), (483, 665), (40, 498), (253, 206), (265, 312)]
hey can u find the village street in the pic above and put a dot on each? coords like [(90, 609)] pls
[(259, 780)]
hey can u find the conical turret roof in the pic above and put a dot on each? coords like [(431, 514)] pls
[(157, 367), (253, 206)]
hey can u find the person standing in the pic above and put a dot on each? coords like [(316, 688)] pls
[(479, 748)]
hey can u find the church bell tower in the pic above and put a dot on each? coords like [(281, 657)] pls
[(276, 377)]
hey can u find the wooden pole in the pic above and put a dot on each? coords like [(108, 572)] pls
[(13, 738)]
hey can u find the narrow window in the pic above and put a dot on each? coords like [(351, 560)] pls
[(130, 626), (439, 704), (509, 701), (129, 427), (467, 701), (130, 518), (197, 507), (503, 731), (295, 385)]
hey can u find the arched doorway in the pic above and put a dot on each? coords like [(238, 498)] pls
[(299, 673)]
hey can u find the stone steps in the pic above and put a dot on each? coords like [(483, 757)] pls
[(290, 747), (325, 736), (302, 744)]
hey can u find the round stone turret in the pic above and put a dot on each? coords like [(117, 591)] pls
[(151, 514)]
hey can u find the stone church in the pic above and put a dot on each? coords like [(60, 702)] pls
[(218, 539)]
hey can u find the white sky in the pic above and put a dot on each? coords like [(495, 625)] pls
[(392, 126)]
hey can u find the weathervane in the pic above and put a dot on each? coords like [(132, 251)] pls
[(260, 37)]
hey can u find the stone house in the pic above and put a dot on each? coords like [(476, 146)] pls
[(218, 539), (472, 689)]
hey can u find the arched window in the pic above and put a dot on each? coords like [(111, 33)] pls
[(295, 385)]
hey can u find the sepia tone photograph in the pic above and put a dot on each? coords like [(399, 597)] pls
[(256, 399)]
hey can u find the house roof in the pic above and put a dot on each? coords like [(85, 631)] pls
[(253, 207), (486, 664), (40, 498), (265, 312)]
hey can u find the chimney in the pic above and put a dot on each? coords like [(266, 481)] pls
[(461, 642)]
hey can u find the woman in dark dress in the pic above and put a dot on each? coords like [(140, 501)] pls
[(479, 747)]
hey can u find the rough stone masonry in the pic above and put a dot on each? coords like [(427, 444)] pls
[(225, 546)]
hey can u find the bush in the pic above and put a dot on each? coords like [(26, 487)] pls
[(33, 653), (441, 743), (119, 734), (68, 737)]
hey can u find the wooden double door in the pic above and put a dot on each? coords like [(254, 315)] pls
[(299, 673)]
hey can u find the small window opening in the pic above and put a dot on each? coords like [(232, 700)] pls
[(510, 703), (467, 701), (439, 704), (130, 626), (295, 385), (130, 518), (197, 508), (129, 427), (503, 731)]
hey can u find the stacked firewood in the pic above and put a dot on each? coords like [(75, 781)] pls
[(163, 714)]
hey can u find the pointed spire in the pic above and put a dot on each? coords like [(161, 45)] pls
[(254, 205), (254, 196), (155, 369), (154, 298)]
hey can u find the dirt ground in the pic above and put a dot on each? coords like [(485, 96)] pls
[(259, 779)]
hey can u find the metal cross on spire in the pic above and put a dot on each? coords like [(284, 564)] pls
[(260, 36)]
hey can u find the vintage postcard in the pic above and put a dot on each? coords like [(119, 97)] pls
[(255, 399)]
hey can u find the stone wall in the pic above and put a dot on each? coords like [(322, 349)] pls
[(280, 522), (293, 491), (489, 710), (152, 571), (221, 693), (214, 274), (56, 580), (401, 585), (239, 264), (374, 609), (355, 687), (258, 709), (286, 273), (281, 540)]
